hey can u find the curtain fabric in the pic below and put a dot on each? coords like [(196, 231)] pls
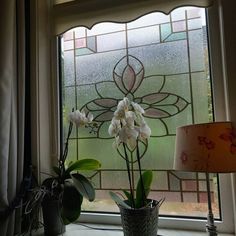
[(87, 13), (12, 110)]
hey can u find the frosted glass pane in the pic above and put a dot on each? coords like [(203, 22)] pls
[(160, 153), (178, 14), (163, 59), (97, 67), (69, 99), (160, 185), (195, 24), (139, 37), (179, 26), (80, 32), (69, 69), (190, 197), (68, 45), (68, 35), (194, 12), (200, 97), (110, 161), (110, 41), (69, 104), (196, 56), (165, 31)]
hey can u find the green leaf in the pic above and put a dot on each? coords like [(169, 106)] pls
[(118, 200), (83, 186), (84, 164), (71, 203), (56, 170), (129, 196), (142, 194)]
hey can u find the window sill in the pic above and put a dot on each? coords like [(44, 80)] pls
[(74, 229)]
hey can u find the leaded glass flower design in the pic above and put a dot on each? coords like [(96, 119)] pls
[(130, 81)]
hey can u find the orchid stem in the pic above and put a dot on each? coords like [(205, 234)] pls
[(64, 155), (130, 183), (132, 170), (140, 173)]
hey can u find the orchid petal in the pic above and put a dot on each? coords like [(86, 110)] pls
[(114, 127), (137, 108), (145, 131)]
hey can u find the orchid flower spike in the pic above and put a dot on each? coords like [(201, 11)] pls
[(79, 118)]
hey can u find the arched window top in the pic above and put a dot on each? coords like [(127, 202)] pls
[(69, 14)]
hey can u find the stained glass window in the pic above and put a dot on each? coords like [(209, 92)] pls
[(159, 61)]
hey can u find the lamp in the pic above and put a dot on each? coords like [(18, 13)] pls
[(209, 148)]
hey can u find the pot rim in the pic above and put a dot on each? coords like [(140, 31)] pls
[(152, 203)]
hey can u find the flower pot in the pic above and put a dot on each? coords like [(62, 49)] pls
[(140, 222), (53, 223)]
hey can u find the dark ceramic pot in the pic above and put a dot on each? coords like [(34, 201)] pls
[(53, 223)]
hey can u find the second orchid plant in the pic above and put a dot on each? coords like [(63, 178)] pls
[(131, 134), (68, 184)]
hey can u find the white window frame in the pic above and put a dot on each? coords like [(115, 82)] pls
[(45, 110)]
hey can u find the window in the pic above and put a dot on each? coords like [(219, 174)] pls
[(161, 62), (44, 83)]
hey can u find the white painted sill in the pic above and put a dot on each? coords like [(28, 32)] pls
[(76, 229)]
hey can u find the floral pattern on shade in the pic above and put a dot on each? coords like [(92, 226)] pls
[(230, 136), (206, 142), (128, 76), (184, 158)]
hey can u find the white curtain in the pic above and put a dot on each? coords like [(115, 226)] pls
[(12, 110)]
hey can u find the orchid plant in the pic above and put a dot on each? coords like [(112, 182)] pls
[(69, 185), (130, 131)]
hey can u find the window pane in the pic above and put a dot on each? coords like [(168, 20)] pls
[(161, 62)]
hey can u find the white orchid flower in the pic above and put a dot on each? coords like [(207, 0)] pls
[(128, 124), (114, 127), (79, 118)]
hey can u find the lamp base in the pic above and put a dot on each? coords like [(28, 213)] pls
[(210, 227)]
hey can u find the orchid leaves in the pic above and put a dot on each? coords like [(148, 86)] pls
[(83, 186), (84, 164), (81, 183), (141, 196), (71, 203), (143, 188), (76, 186), (118, 200)]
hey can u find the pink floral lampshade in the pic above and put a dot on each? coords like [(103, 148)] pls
[(209, 147)]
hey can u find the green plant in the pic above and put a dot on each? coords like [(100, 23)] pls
[(71, 187), (131, 133), (68, 185)]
